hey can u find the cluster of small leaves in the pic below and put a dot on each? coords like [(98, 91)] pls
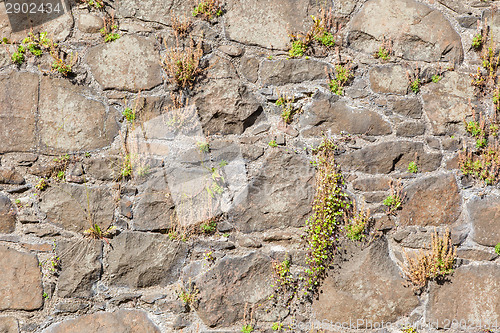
[(409, 330), (208, 9), (277, 326), (436, 78), (285, 283), (412, 167), (183, 64), (434, 264), (203, 147), (96, 4), (273, 144), (209, 226), (129, 114), (330, 204), (42, 184), (383, 53), (53, 263), (248, 328), (343, 74), (320, 33), (357, 224), (62, 66), (126, 169), (5, 40), (477, 41), (109, 33), (288, 109), (415, 85), (35, 44), (298, 49), (96, 232), (217, 181), (189, 296), (497, 249), (394, 200)]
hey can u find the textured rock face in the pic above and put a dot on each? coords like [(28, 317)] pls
[(131, 321), (151, 10), (130, 63), (141, 260), (418, 32), (266, 23), (274, 202), (230, 284), (70, 205), (331, 114), (280, 72), (472, 295), (9, 325), (485, 216), (80, 267), (10, 176), (432, 201), (446, 102), (367, 287), (390, 156), (21, 283), (7, 215), (18, 103), (69, 121), (389, 80)]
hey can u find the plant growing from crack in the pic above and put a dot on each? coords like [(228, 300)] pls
[(394, 200), (343, 75)]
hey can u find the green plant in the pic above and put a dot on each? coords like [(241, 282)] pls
[(477, 41), (326, 39), (109, 30), (96, 232), (288, 109), (277, 326), (53, 263), (248, 328), (203, 147), (126, 169), (298, 49), (383, 53), (434, 264), (415, 85), (35, 44), (208, 256), (412, 167), (497, 249), (60, 175), (183, 64), (409, 330), (273, 143), (209, 226), (395, 199), (42, 184), (18, 56), (356, 227), (45, 295), (189, 296), (337, 84), (97, 4), (436, 78), (208, 9), (285, 283), (330, 204), (320, 32), (129, 114)]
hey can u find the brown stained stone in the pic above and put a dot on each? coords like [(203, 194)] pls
[(70, 121), (9, 325), (18, 104), (367, 286), (7, 215), (476, 255), (389, 79), (372, 184), (130, 321), (130, 63), (21, 286), (10, 176), (485, 217), (418, 32), (409, 107), (432, 201), (280, 72), (472, 294)]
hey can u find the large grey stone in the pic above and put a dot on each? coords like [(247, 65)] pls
[(417, 31), (21, 278), (154, 11), (9, 325), (283, 71), (140, 260), (18, 107), (279, 196), (77, 207), (7, 215), (233, 284), (71, 120), (485, 217), (367, 287), (130, 321), (90, 23), (81, 267), (390, 156), (130, 63), (10, 176), (389, 80), (446, 103), (226, 106), (329, 114), (471, 295), (267, 23), (432, 201)]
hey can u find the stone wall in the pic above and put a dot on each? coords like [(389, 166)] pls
[(71, 131)]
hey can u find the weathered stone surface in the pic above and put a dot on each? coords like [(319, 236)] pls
[(69, 121), (472, 294), (5, 54), (372, 184), (390, 156), (327, 113), (280, 72), (418, 32), (485, 216), (21, 280), (10, 176), (432, 201), (130, 321), (140, 260), (249, 67), (473, 254), (279, 196), (130, 63), (18, 104), (70, 205), (9, 325), (409, 107), (267, 23), (7, 215), (80, 267), (226, 106), (410, 129), (90, 23), (447, 102), (151, 10), (368, 286), (232, 283), (105, 168), (389, 80)]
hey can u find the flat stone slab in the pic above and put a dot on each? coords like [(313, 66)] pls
[(485, 217)]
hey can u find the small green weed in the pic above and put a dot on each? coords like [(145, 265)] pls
[(298, 49), (409, 330), (203, 147), (415, 85), (395, 199), (357, 224), (247, 328), (383, 54), (18, 56), (412, 167), (45, 295), (208, 9), (42, 184), (60, 175), (273, 143), (209, 227), (288, 109), (343, 75), (436, 78), (108, 32), (326, 39), (189, 296), (497, 249), (183, 64), (277, 326), (129, 114), (96, 4), (477, 41), (126, 169)]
